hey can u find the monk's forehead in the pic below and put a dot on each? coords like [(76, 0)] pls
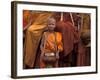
[(51, 20)]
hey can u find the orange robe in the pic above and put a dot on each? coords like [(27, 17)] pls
[(51, 40), (33, 36)]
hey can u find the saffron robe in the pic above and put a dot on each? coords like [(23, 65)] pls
[(52, 39), (51, 43), (33, 36)]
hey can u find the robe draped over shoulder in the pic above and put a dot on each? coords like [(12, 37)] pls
[(69, 34), (33, 36), (51, 41)]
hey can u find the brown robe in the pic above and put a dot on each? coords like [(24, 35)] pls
[(73, 44), (70, 42), (70, 36), (84, 47)]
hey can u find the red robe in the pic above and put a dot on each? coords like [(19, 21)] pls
[(70, 36), (73, 46), (70, 42)]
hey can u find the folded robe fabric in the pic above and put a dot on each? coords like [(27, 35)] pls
[(33, 36), (70, 40), (69, 34), (51, 42)]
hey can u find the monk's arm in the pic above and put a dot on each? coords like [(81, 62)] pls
[(42, 44)]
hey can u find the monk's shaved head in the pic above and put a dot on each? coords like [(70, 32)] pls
[(51, 19), (51, 23)]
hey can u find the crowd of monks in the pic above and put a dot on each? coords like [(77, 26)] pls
[(75, 29)]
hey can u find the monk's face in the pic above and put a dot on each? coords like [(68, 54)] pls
[(51, 24)]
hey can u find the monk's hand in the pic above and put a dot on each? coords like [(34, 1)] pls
[(42, 52), (57, 54)]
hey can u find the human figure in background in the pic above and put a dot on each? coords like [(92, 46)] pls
[(84, 49)]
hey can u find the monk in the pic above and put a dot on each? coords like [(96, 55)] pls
[(84, 49), (51, 45)]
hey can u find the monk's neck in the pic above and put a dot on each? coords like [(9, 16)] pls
[(51, 31)]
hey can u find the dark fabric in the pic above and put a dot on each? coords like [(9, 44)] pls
[(84, 55), (69, 34), (70, 44)]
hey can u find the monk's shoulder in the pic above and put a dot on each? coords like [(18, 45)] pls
[(45, 34)]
